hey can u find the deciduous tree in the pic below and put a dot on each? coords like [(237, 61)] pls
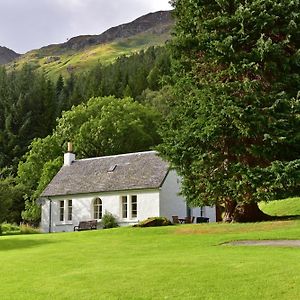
[(102, 126)]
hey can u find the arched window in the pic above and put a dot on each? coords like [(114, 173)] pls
[(97, 209)]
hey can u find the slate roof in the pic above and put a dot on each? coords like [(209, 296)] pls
[(143, 170)]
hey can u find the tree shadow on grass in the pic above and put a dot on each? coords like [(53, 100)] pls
[(15, 244), (286, 218)]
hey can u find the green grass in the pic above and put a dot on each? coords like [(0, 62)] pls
[(174, 262), (83, 60), (287, 207)]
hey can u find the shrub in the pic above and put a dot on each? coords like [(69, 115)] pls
[(154, 221), (109, 220), (27, 229), (7, 227), (0, 229)]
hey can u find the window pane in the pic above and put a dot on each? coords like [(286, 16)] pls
[(100, 211), (69, 210), (61, 210), (97, 208), (124, 207), (134, 206), (95, 213)]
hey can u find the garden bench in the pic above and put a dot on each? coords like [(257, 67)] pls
[(202, 220), (86, 225)]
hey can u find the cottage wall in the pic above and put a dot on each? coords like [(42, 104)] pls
[(165, 202), (45, 217), (172, 203), (82, 208), (207, 211)]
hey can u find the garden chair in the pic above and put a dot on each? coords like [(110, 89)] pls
[(175, 219)]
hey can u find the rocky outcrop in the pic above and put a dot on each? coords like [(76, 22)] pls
[(7, 55), (158, 22)]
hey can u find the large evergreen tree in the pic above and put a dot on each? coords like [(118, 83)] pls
[(234, 130)]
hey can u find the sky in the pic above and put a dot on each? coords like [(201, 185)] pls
[(31, 24)]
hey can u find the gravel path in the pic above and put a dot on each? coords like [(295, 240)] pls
[(278, 243)]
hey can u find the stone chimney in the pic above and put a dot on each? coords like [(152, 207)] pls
[(69, 157)]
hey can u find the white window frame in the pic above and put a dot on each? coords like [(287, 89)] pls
[(97, 208), (129, 205), (124, 203), (69, 210), (61, 210), (65, 211)]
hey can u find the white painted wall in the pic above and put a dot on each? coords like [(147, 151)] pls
[(208, 212), (82, 208), (45, 217), (173, 204), (165, 202)]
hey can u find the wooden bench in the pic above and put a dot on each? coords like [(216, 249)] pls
[(86, 225), (202, 220)]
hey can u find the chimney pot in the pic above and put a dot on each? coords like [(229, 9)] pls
[(70, 147), (69, 157)]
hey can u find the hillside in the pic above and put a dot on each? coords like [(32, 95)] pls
[(82, 52), (7, 55), (153, 23)]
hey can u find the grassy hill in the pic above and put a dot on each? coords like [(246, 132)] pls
[(83, 60), (287, 207), (80, 53), (174, 262)]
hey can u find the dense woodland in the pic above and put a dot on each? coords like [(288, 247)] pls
[(33, 107)]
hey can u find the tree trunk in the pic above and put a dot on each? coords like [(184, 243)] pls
[(230, 206), (249, 212), (243, 212)]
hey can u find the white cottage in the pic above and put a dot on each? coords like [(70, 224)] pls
[(131, 186)]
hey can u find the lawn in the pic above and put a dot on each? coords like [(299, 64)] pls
[(286, 207), (175, 262)]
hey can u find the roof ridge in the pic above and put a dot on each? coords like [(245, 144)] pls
[(117, 155)]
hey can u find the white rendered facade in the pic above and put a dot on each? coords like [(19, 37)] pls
[(141, 204)]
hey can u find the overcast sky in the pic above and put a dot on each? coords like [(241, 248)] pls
[(31, 24)]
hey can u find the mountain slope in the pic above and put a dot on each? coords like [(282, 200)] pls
[(7, 55), (155, 23), (82, 52)]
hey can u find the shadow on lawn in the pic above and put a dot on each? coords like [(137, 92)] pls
[(14, 244), (285, 218)]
